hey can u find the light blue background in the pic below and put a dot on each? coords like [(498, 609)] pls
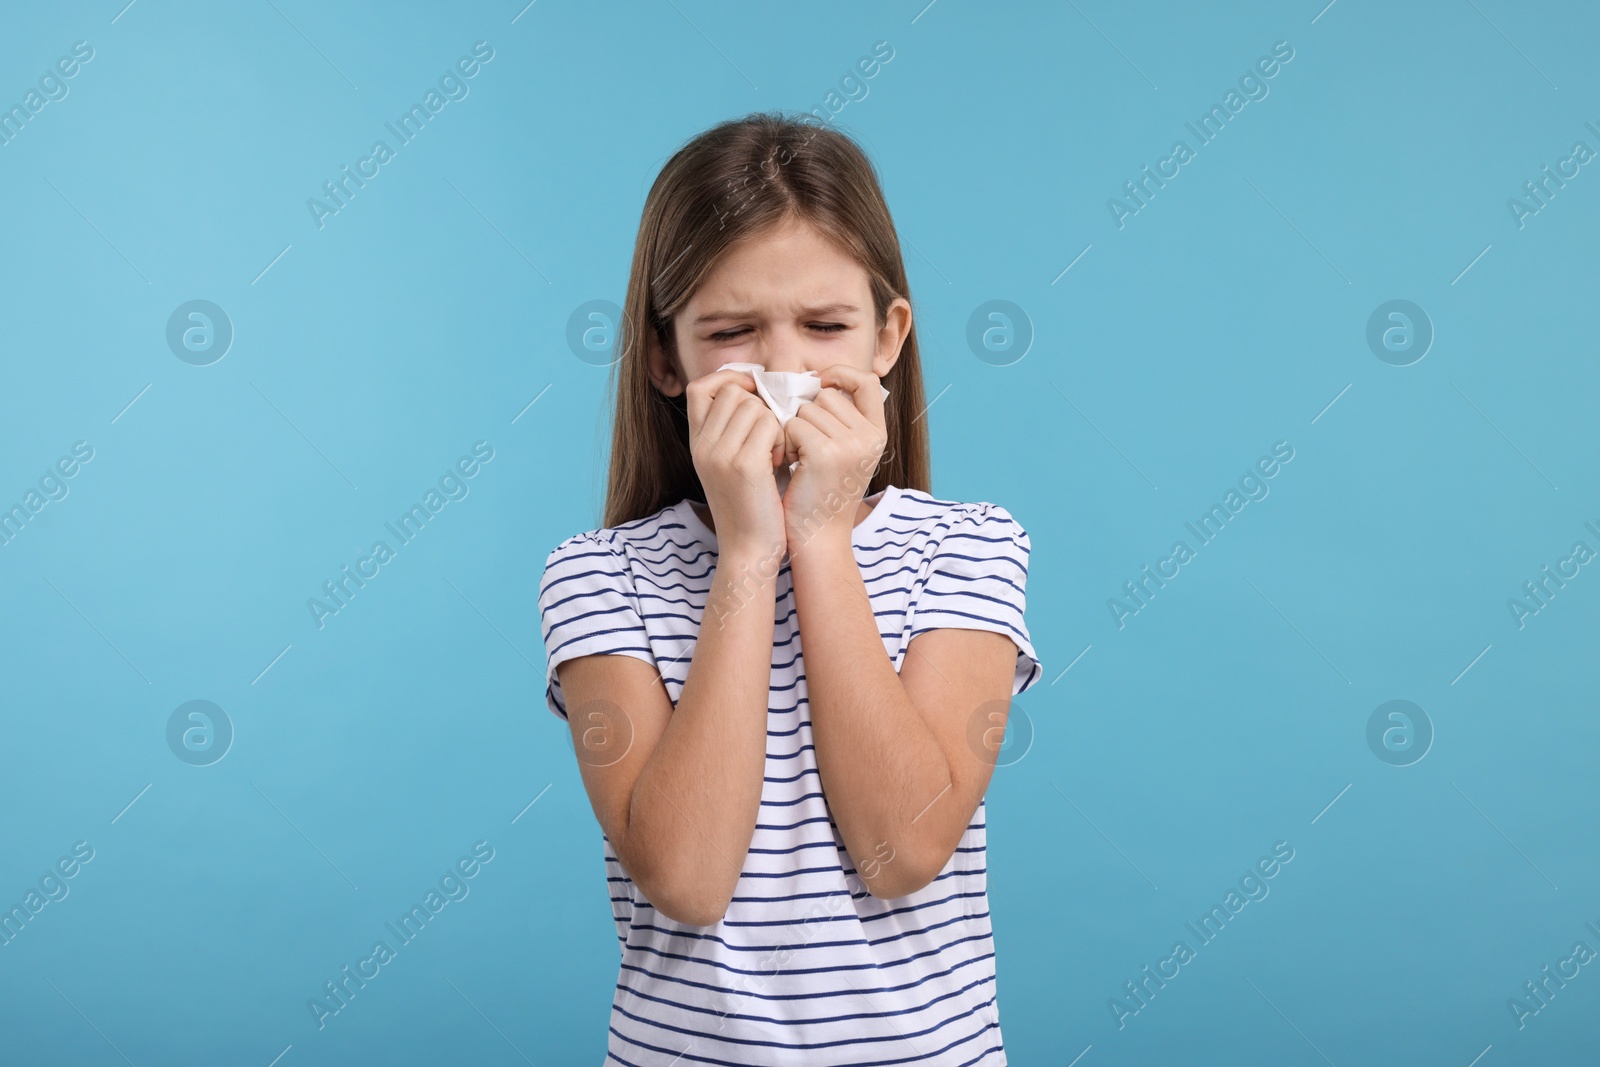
[(1228, 314)]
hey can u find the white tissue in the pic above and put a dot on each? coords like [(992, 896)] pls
[(784, 392)]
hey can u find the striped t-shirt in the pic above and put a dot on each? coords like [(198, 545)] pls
[(806, 967)]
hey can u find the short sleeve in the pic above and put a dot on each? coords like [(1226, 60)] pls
[(587, 605), (978, 581)]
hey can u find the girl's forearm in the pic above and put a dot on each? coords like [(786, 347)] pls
[(696, 801), (881, 766)]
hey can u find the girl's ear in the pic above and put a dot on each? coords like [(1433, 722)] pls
[(663, 368), (892, 336)]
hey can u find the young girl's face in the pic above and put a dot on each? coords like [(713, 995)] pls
[(788, 299)]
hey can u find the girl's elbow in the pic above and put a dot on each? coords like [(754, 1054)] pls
[(691, 905), (900, 878), (886, 889), (696, 914), (685, 896)]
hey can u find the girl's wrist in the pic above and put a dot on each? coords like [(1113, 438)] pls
[(811, 533), (752, 558)]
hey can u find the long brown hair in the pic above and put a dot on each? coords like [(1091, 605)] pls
[(729, 183)]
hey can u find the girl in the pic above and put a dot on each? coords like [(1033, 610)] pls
[(786, 708)]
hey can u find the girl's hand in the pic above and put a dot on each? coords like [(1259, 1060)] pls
[(838, 439), (736, 443)]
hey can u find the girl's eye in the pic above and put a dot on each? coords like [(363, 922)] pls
[(824, 327)]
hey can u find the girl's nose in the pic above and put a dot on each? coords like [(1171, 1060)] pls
[(784, 351)]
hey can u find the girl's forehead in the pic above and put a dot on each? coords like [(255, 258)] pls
[(744, 300), (791, 268), (793, 240), (789, 281)]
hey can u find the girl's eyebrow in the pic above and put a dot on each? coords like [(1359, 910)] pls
[(825, 309)]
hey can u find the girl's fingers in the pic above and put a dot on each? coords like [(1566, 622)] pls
[(744, 431), (713, 399), (765, 438), (809, 429), (842, 406), (724, 401), (823, 419), (861, 387), (832, 417), (744, 434), (793, 432)]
